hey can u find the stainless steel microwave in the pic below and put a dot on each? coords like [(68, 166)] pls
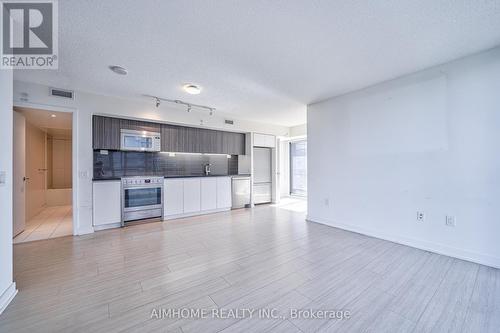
[(139, 140)]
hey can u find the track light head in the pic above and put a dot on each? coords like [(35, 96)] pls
[(158, 102), (189, 108)]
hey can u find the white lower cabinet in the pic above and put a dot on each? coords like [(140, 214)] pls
[(107, 208), (224, 195), (192, 195), (208, 193), (195, 196), (173, 190)]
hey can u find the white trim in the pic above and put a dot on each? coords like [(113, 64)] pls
[(294, 138), (416, 243), (7, 296), (41, 106), (74, 148), (107, 226), (203, 212), (82, 231), (165, 218)]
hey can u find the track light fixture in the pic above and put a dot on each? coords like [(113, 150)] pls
[(189, 106)]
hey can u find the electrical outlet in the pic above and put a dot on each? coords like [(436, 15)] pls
[(450, 221), (420, 217), (327, 202), (3, 178)]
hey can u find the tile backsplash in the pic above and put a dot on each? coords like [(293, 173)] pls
[(117, 164)]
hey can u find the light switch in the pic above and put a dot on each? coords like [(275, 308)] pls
[(84, 174)]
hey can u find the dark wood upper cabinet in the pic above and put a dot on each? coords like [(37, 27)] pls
[(174, 138), (139, 125), (105, 133), (233, 143), (211, 141)]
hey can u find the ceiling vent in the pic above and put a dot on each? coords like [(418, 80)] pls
[(229, 122), (62, 93)]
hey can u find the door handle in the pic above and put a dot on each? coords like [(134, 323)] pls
[(25, 179)]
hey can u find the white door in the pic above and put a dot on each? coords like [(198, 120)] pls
[(19, 173)]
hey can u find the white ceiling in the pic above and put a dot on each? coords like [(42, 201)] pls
[(260, 59)]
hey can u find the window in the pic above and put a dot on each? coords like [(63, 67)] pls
[(298, 167)]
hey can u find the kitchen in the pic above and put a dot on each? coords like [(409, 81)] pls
[(283, 156), (150, 170)]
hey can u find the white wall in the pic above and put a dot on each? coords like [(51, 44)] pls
[(426, 142), (298, 131), (61, 162), (59, 197), (36, 186), (86, 104), (7, 286)]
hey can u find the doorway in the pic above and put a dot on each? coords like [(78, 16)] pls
[(298, 168), (42, 174)]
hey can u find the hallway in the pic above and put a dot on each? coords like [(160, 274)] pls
[(51, 222)]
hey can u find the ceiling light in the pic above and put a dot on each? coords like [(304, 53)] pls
[(53, 116), (192, 89), (119, 70)]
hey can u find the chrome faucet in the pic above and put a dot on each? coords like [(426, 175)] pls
[(207, 169)]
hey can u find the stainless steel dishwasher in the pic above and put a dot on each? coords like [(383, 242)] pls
[(240, 191)]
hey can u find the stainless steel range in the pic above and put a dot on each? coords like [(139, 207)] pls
[(142, 198)]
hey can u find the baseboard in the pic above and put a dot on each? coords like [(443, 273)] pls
[(204, 212), (7, 296), (446, 250), (107, 226), (84, 231)]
